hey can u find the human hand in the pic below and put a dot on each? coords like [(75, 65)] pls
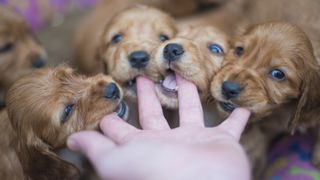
[(190, 151)]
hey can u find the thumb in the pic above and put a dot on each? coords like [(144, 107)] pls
[(90, 143)]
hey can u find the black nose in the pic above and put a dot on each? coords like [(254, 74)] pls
[(230, 89), (139, 59), (112, 91), (173, 52), (38, 62)]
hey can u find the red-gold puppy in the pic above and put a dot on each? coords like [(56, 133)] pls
[(20, 52), (129, 42), (47, 106)]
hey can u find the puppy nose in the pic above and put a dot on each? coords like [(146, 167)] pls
[(139, 59), (112, 91), (173, 52), (38, 62), (230, 89)]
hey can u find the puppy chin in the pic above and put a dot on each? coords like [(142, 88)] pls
[(168, 101)]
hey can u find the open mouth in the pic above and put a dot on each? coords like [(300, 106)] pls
[(169, 84), (228, 107), (122, 110)]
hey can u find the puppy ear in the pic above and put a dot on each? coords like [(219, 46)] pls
[(309, 102), (39, 162)]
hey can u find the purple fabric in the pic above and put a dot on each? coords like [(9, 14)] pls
[(290, 158), (32, 13)]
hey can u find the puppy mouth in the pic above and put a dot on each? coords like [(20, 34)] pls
[(122, 110), (227, 106), (169, 84), (131, 85)]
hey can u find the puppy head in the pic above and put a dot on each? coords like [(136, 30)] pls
[(196, 54), (48, 105), (20, 52), (129, 42), (269, 66)]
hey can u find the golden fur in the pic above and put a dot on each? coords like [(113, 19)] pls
[(197, 64), (37, 107), (276, 104), (20, 52), (88, 35), (141, 28), (304, 14)]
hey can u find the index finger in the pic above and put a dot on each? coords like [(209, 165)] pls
[(190, 108), (150, 110)]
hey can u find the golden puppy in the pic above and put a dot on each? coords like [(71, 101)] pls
[(20, 52), (196, 54), (129, 41), (47, 106), (88, 35), (272, 71), (304, 14)]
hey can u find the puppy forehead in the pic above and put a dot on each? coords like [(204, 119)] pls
[(204, 35)]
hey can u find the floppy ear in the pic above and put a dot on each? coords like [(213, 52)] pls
[(39, 162), (308, 106)]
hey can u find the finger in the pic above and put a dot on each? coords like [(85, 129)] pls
[(236, 122), (190, 108), (90, 143), (116, 129), (150, 110)]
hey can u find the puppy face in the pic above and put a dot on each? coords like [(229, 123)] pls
[(20, 52), (129, 43), (269, 66), (196, 54), (51, 104)]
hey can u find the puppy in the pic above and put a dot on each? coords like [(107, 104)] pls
[(20, 52), (129, 42), (272, 71), (47, 106), (304, 14), (88, 35), (196, 54)]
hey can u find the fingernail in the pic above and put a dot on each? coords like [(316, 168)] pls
[(72, 144)]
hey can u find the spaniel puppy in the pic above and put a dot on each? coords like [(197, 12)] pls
[(20, 52), (47, 106), (196, 54), (259, 11), (88, 35), (272, 71), (128, 44)]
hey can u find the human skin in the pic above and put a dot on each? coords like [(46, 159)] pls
[(156, 152)]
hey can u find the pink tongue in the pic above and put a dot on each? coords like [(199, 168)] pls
[(170, 82)]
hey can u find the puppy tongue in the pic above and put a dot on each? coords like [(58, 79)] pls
[(169, 83)]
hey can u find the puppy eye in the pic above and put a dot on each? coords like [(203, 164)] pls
[(163, 37), (7, 47), (215, 49), (277, 74), (239, 51), (67, 112), (116, 39)]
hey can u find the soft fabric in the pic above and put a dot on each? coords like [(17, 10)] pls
[(290, 158), (38, 13)]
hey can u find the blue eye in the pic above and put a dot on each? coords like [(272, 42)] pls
[(117, 38), (163, 37), (215, 48), (277, 74), (7, 47), (67, 112)]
